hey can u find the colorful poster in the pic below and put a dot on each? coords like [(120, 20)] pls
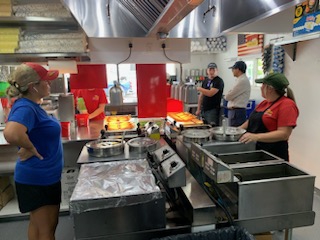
[(307, 18), (249, 44)]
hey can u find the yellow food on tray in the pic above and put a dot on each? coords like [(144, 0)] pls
[(181, 116), (197, 121), (120, 126), (118, 118)]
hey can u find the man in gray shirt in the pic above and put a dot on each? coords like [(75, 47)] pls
[(239, 95)]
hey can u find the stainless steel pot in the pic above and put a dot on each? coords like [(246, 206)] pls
[(191, 94), (142, 145), (105, 147), (231, 134), (196, 135)]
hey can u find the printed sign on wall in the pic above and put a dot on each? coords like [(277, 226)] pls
[(249, 44), (307, 18)]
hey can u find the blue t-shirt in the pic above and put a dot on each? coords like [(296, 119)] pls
[(44, 132)]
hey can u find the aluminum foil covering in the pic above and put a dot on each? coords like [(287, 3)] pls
[(113, 184), (52, 36), (50, 43), (54, 10)]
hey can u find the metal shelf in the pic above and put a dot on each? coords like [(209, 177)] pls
[(42, 57), (40, 23)]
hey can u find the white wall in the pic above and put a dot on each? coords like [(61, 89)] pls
[(144, 50), (303, 75)]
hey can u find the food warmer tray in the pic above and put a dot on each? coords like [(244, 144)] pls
[(84, 156)]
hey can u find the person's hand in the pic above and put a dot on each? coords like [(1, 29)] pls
[(25, 154), (198, 112), (248, 137), (198, 88)]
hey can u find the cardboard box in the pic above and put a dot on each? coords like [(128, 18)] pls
[(6, 196), (4, 183), (69, 180), (264, 236)]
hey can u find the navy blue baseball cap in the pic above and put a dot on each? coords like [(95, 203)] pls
[(241, 65), (212, 65)]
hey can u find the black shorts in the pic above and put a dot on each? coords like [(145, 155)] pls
[(31, 197)]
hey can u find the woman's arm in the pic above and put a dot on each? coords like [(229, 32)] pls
[(244, 125), (16, 134), (99, 110), (281, 134)]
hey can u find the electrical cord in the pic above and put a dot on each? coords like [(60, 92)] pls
[(130, 47), (165, 54), (218, 201)]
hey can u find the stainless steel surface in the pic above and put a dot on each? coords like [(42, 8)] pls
[(218, 147), (230, 134), (191, 94), (84, 156), (116, 95), (250, 12), (219, 22), (278, 222), (273, 189), (8, 158), (199, 208), (41, 23), (105, 147), (248, 157), (142, 144), (126, 18), (177, 18), (42, 57), (196, 135), (66, 110), (183, 149), (217, 170), (171, 167), (109, 196), (163, 153)]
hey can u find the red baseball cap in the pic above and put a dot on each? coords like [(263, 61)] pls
[(44, 74)]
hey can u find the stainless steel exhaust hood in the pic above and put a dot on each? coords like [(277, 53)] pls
[(170, 18), (129, 18)]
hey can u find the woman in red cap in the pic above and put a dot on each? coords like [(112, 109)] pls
[(40, 155)]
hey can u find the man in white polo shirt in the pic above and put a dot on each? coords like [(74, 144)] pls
[(239, 95)]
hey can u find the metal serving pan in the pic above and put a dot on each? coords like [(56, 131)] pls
[(105, 147), (231, 134)]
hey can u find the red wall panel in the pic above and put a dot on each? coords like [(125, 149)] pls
[(89, 76), (151, 90)]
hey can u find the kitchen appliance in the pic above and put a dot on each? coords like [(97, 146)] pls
[(230, 134), (105, 147), (138, 148), (196, 135), (66, 109), (254, 186), (171, 167), (102, 208), (116, 94), (191, 94), (142, 144)]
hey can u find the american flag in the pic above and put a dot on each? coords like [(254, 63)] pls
[(249, 44)]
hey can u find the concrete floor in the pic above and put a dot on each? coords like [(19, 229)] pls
[(17, 230)]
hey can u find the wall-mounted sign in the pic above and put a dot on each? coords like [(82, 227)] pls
[(307, 18), (249, 44)]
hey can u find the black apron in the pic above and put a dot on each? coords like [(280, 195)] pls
[(256, 125)]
